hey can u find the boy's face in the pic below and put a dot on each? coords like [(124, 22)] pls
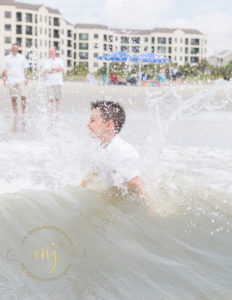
[(97, 126)]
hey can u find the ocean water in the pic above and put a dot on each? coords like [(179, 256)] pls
[(61, 241)]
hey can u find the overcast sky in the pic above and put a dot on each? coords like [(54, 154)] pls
[(212, 17)]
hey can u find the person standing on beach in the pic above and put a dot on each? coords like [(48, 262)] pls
[(54, 69), (15, 77)]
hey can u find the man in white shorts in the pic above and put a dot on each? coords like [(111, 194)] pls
[(54, 69), (15, 77), (116, 161)]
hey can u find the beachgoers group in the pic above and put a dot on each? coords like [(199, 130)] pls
[(15, 78), (117, 161)]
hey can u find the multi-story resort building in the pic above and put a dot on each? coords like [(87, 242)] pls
[(35, 28)]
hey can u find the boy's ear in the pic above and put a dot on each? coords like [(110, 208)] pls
[(110, 125)]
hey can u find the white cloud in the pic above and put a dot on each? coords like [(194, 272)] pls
[(134, 13)]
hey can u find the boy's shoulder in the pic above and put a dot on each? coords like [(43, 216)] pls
[(122, 148)]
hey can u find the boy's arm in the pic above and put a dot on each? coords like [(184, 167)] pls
[(88, 179), (137, 185), (4, 76)]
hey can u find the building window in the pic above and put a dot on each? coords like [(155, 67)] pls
[(105, 37), (104, 47), (8, 40), (135, 40), (56, 34), (83, 46), (83, 36), (29, 30), (75, 46), (56, 22), (161, 40), (186, 59), (146, 39), (181, 40), (19, 41), (28, 18), (7, 27), (69, 63), (180, 58), (7, 14), (186, 41), (36, 43), (36, 19), (95, 36), (194, 50), (181, 49), (170, 40), (69, 33), (195, 42), (124, 48), (56, 45), (145, 49), (95, 65), (116, 38), (18, 16), (194, 59), (175, 40), (18, 29), (69, 53), (69, 43), (186, 50), (169, 49), (111, 38), (161, 49), (83, 55), (124, 40), (110, 48), (74, 55), (135, 49), (153, 40), (28, 43), (50, 21), (95, 45), (45, 19), (75, 36), (95, 55), (152, 49)]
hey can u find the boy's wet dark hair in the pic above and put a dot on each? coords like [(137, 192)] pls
[(111, 111)]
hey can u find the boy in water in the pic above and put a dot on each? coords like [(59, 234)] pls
[(117, 161)]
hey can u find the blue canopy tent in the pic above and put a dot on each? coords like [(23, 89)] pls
[(149, 58), (120, 56)]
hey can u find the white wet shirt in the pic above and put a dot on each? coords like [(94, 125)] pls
[(15, 66), (55, 78), (119, 162)]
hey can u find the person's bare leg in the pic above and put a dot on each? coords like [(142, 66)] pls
[(23, 103), (51, 109), (57, 109), (15, 109)]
